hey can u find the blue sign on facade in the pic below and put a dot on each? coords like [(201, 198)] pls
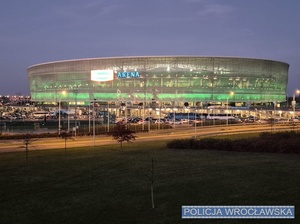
[(123, 75)]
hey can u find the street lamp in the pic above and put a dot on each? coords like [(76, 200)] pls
[(294, 102), (59, 101), (75, 91), (89, 113), (143, 124), (94, 132), (195, 111), (108, 116), (59, 109), (230, 94), (149, 119)]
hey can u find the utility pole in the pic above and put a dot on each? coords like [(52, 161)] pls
[(75, 91)]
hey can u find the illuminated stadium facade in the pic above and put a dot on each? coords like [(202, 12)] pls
[(167, 80)]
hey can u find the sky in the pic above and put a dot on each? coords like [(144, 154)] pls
[(38, 31)]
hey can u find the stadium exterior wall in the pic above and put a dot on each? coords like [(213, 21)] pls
[(160, 78)]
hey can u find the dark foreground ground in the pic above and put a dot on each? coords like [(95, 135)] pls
[(108, 185)]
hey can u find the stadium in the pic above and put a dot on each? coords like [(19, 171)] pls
[(160, 81)]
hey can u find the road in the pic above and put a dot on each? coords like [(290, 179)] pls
[(182, 131)]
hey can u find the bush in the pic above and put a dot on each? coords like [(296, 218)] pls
[(280, 135), (281, 142), (212, 143), (245, 145), (183, 144)]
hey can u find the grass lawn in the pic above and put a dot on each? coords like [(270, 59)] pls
[(108, 185)]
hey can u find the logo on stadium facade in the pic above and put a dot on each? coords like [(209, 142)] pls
[(102, 75), (123, 75)]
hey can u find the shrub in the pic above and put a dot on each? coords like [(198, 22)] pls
[(212, 143), (281, 142), (280, 135), (182, 144)]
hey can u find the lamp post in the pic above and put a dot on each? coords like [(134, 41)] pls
[(159, 114), (68, 118), (149, 119), (94, 132), (75, 91), (274, 114), (294, 102), (195, 111), (174, 117), (230, 94), (143, 124), (108, 116), (59, 109), (126, 114), (89, 117)]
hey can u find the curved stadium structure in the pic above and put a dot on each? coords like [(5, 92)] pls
[(166, 79)]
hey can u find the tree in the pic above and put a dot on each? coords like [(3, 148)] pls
[(151, 179), (122, 133), (66, 136), (27, 140)]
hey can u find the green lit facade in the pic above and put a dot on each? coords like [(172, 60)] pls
[(166, 79)]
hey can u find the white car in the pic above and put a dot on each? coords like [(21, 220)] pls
[(197, 121), (262, 121), (175, 122), (160, 121), (184, 121)]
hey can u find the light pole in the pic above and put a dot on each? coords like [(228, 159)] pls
[(94, 132), (149, 119), (143, 124), (195, 111), (108, 116), (274, 116), (75, 91), (59, 109), (68, 118), (174, 117), (294, 102), (126, 115), (89, 117), (230, 94)]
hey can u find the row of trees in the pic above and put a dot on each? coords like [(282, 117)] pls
[(121, 133)]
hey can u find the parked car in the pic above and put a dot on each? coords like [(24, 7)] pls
[(197, 121), (294, 120), (184, 121), (160, 121), (261, 121), (175, 122)]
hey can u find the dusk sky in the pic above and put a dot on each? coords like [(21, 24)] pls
[(38, 31)]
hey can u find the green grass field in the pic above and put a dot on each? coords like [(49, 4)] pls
[(109, 185)]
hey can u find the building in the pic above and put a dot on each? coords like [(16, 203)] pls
[(162, 80)]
